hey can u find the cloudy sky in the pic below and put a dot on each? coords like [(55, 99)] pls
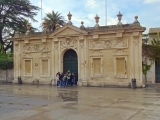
[(148, 11)]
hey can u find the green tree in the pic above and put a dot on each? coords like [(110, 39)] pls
[(145, 38), (145, 69), (6, 60), (52, 19), (152, 52), (13, 15)]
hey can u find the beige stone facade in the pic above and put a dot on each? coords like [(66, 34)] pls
[(107, 55)]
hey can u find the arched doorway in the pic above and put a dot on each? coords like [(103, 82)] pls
[(70, 62)]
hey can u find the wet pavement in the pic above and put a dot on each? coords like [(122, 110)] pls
[(37, 102)]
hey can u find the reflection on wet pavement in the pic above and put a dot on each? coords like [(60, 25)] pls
[(67, 95), (23, 102)]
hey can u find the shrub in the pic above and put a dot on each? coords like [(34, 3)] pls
[(6, 60), (6, 64)]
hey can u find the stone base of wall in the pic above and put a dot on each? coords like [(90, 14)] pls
[(80, 83), (6, 76), (104, 84)]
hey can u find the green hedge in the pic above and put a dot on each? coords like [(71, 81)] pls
[(6, 64)]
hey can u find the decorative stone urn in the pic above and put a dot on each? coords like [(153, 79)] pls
[(44, 26), (28, 26), (97, 21), (119, 18)]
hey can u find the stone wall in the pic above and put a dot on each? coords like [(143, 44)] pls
[(6, 75)]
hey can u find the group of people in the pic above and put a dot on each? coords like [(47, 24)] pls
[(67, 79)]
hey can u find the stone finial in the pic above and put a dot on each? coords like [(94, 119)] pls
[(28, 26), (16, 33), (136, 17), (136, 22), (97, 18), (82, 26), (119, 18), (97, 21), (44, 26), (57, 26), (69, 18)]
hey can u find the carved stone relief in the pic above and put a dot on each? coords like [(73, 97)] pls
[(136, 41), (37, 47), (96, 53), (69, 43), (45, 54), (120, 52), (27, 56), (81, 44), (108, 44), (56, 45)]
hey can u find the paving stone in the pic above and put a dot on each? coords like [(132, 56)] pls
[(33, 102)]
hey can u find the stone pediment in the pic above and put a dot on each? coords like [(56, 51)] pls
[(68, 30)]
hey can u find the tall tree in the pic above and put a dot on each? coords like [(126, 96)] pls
[(52, 19), (151, 53), (13, 15)]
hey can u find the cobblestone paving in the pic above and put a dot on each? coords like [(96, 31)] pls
[(33, 102)]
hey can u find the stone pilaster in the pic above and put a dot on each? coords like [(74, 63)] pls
[(136, 58), (17, 61), (56, 58), (52, 60)]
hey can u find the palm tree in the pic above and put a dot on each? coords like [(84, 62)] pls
[(52, 19)]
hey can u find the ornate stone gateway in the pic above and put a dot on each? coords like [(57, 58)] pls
[(98, 55), (70, 62)]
